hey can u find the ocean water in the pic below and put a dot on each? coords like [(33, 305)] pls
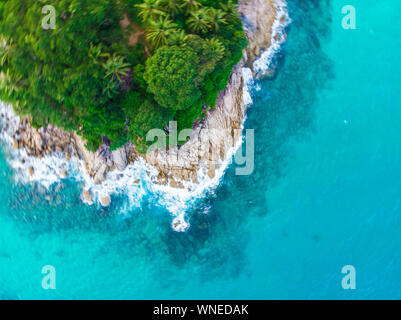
[(325, 192)]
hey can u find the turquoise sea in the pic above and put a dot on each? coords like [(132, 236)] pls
[(326, 190)]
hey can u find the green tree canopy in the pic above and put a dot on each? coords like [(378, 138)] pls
[(117, 67), (171, 76)]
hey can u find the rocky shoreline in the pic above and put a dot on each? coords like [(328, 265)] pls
[(210, 143)]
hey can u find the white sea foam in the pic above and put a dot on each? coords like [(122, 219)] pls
[(278, 37), (249, 83), (136, 180), (47, 170)]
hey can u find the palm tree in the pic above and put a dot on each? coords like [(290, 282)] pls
[(217, 47), (216, 18), (199, 21), (190, 5), (5, 51), (115, 68), (95, 53), (150, 10), (159, 31), (177, 37), (172, 6), (10, 83), (230, 11)]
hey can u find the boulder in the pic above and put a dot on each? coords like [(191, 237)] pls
[(162, 178), (100, 174), (37, 140), (15, 145), (176, 184), (120, 158), (87, 196), (105, 201)]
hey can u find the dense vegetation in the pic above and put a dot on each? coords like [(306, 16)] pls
[(117, 67)]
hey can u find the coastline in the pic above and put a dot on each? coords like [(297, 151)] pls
[(177, 177)]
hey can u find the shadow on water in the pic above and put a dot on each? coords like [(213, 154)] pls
[(216, 242)]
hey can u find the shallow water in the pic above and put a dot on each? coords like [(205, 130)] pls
[(326, 191)]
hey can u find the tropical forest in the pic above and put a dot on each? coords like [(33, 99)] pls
[(117, 68)]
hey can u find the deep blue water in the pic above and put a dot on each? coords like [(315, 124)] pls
[(326, 190)]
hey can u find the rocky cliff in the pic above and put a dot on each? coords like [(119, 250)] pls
[(210, 143)]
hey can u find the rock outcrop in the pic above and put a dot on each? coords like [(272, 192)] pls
[(209, 143), (102, 161), (105, 201), (257, 17), (87, 196), (44, 141)]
